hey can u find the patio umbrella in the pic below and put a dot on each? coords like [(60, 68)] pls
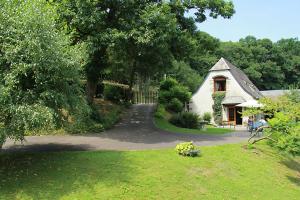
[(250, 104)]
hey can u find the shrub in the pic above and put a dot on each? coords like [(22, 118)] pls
[(187, 149), (180, 92), (290, 143), (111, 118), (217, 107), (114, 93), (175, 105), (170, 89), (207, 117), (186, 120), (160, 111), (87, 126), (284, 126), (164, 97), (168, 84)]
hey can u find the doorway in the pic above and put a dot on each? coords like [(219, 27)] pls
[(235, 115), (239, 119)]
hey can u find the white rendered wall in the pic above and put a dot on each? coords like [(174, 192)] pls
[(202, 100)]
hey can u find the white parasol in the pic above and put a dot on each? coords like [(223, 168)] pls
[(250, 104)]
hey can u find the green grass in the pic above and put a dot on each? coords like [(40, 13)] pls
[(222, 172), (167, 126)]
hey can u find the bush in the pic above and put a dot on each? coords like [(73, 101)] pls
[(284, 126), (89, 126), (186, 120), (290, 143), (160, 111), (168, 84), (175, 105), (187, 149), (114, 94), (180, 92), (170, 89), (207, 117), (288, 137), (164, 97)]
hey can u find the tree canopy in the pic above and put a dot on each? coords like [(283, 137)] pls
[(136, 36), (270, 65), (39, 70)]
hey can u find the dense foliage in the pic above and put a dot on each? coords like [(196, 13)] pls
[(39, 71), (160, 111), (175, 105), (115, 93), (185, 75), (284, 124), (207, 117), (269, 65), (173, 95), (142, 37), (186, 120)]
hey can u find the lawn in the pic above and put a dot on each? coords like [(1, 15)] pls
[(167, 126), (222, 172)]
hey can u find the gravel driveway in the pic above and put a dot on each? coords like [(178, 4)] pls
[(135, 131)]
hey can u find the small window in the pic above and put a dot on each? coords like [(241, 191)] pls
[(219, 84)]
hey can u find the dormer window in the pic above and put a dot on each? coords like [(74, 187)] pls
[(219, 83)]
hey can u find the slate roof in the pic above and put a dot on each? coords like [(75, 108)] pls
[(274, 94), (233, 100), (239, 76)]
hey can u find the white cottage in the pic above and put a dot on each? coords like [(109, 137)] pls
[(224, 76)]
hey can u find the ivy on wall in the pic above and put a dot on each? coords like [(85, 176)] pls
[(217, 106)]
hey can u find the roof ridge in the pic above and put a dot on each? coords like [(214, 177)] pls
[(239, 75), (220, 65)]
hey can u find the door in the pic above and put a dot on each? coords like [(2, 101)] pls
[(231, 114), (235, 115), (238, 114)]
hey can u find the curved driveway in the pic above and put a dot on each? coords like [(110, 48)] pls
[(135, 131)]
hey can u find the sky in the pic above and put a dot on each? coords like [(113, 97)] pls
[(273, 19)]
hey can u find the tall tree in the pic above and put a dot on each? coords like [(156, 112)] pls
[(144, 48), (39, 71), (99, 23)]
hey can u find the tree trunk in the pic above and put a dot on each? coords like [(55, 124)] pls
[(262, 138), (131, 82), (91, 86)]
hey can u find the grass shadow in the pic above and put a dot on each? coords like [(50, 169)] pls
[(53, 175), (292, 163), (295, 180), (50, 147), (295, 166)]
